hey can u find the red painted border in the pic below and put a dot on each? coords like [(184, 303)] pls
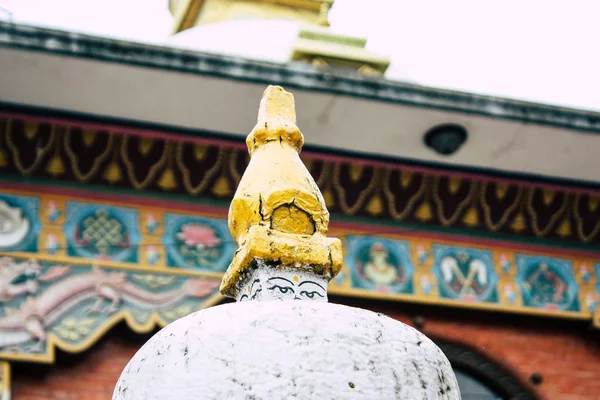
[(87, 194), (161, 134), (358, 228)]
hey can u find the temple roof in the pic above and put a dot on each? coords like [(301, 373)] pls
[(403, 107), (293, 74)]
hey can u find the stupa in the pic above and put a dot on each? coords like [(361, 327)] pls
[(267, 345)]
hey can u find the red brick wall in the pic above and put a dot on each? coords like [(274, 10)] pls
[(566, 355)]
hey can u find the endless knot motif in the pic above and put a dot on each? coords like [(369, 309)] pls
[(101, 231)]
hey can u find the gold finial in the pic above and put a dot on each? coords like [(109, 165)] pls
[(276, 120), (278, 214)]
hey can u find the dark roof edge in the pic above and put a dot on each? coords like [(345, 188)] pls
[(300, 76)]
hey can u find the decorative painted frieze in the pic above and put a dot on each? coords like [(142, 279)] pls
[(415, 266), (125, 159)]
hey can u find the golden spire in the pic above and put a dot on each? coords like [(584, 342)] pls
[(278, 214)]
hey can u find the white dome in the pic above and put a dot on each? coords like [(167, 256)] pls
[(287, 349)]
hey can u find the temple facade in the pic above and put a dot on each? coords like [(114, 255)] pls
[(474, 219)]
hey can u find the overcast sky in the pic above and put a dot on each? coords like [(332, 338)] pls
[(538, 50)]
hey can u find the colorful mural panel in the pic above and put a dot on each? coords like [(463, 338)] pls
[(547, 283), (102, 232), (379, 264), (81, 265), (465, 274)]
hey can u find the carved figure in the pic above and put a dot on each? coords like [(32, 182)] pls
[(30, 320)]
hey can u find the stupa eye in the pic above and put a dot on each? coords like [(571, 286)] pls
[(310, 295), (282, 289)]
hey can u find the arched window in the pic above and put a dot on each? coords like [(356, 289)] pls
[(480, 378), (473, 389)]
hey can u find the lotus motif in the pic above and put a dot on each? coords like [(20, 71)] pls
[(198, 236)]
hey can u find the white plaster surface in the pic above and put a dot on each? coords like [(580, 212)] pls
[(287, 350)]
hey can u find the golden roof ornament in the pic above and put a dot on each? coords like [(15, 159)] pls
[(190, 13), (321, 47), (315, 44), (278, 215)]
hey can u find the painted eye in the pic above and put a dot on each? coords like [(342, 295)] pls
[(282, 289), (311, 295)]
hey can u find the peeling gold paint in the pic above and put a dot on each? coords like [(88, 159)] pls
[(278, 213)]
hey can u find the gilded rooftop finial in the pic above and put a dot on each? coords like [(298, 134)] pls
[(278, 216)]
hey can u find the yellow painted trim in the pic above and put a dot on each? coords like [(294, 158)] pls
[(111, 264), (5, 388)]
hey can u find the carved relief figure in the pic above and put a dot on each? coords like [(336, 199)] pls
[(17, 278), (66, 291)]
